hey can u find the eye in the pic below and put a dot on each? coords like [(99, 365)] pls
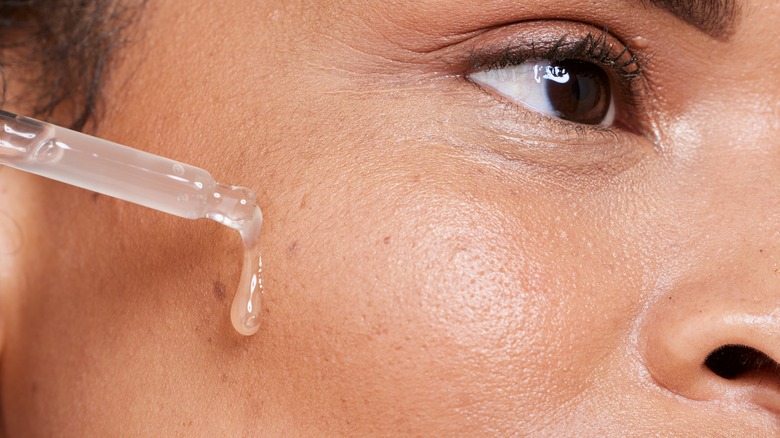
[(573, 90)]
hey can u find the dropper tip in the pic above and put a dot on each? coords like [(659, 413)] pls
[(233, 207), (250, 231)]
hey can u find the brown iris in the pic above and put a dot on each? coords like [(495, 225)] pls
[(578, 91)]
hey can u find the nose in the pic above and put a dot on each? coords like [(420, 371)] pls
[(717, 339)]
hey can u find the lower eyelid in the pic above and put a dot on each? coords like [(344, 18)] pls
[(530, 143)]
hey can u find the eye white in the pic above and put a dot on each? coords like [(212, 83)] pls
[(525, 84)]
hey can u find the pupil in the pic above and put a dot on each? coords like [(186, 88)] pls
[(578, 91)]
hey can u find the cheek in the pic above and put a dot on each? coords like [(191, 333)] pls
[(427, 289)]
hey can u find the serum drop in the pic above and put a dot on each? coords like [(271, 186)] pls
[(236, 208), (245, 311)]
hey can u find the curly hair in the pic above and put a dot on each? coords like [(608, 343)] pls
[(68, 44)]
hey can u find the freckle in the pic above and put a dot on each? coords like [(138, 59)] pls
[(95, 197), (34, 387), (219, 290), (386, 240), (303, 202)]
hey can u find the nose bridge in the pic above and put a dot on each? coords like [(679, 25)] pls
[(757, 115), (728, 161), (742, 98), (751, 99), (755, 67), (747, 172)]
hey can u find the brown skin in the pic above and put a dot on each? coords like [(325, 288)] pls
[(439, 261)]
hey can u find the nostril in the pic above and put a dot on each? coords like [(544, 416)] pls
[(735, 361), (712, 342)]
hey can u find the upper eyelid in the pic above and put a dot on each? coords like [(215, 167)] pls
[(559, 40), (603, 49), (556, 40)]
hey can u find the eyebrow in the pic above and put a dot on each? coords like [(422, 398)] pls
[(716, 18)]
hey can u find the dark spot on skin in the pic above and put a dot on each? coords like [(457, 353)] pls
[(386, 240), (34, 387), (95, 197), (303, 202), (219, 290), (293, 248)]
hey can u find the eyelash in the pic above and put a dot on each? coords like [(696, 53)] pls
[(620, 62)]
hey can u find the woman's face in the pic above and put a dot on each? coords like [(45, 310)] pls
[(440, 257)]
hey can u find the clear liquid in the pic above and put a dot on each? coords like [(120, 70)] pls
[(245, 310), (235, 207)]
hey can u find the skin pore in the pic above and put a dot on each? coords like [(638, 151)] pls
[(439, 259)]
